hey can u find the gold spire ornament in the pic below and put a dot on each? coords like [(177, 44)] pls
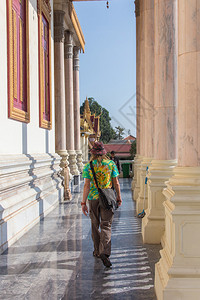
[(87, 106)]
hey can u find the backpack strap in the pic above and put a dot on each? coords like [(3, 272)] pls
[(94, 175)]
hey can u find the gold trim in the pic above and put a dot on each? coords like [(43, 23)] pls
[(77, 26), (45, 9), (13, 112), (46, 6)]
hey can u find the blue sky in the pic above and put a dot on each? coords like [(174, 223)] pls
[(108, 66)]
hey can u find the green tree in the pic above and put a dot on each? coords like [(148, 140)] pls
[(133, 150), (107, 132), (119, 132)]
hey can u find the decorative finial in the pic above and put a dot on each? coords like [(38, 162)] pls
[(87, 106)]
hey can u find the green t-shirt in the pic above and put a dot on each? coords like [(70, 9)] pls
[(104, 171)]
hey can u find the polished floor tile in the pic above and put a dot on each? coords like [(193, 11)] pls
[(54, 259)]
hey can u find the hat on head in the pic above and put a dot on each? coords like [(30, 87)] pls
[(98, 149)]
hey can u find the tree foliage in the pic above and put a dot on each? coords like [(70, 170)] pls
[(133, 150), (119, 132), (107, 132)]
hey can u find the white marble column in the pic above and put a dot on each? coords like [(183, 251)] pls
[(137, 15), (165, 125), (60, 130), (139, 11), (86, 147), (69, 102), (146, 98), (148, 102), (141, 75), (135, 181), (177, 274), (77, 109), (82, 139), (60, 121)]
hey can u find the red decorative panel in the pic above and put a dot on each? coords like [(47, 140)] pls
[(18, 71), (45, 64), (45, 54)]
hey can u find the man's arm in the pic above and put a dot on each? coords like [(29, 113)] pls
[(86, 191), (117, 189)]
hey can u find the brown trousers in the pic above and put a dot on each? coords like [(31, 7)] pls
[(103, 218)]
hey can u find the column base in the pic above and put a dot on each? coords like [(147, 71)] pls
[(80, 160), (67, 195), (177, 288), (177, 274), (141, 202), (153, 224), (152, 230), (73, 162), (65, 172)]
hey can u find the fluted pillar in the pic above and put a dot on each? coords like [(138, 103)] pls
[(60, 120), (141, 75), (82, 139), (60, 127), (165, 125), (135, 181), (86, 147), (177, 274), (139, 12), (148, 104), (146, 97), (165, 100), (69, 102), (77, 109)]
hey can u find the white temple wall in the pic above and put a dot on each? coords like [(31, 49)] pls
[(30, 183), (17, 137)]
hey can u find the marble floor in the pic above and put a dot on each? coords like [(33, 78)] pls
[(54, 259)]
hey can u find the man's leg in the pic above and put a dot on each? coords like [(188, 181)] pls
[(95, 221), (105, 235)]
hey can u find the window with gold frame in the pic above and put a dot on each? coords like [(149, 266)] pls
[(18, 60), (44, 20)]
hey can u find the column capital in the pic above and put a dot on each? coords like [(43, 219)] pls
[(137, 8), (59, 26), (68, 44), (76, 51)]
